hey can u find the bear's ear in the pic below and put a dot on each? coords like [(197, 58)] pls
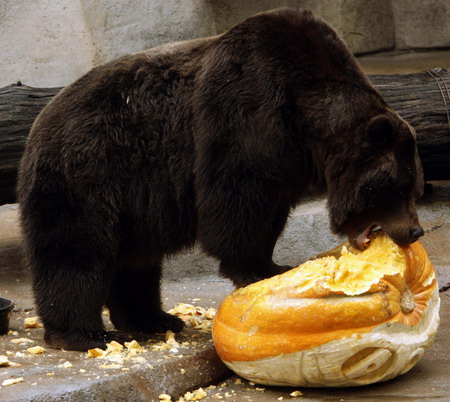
[(380, 130)]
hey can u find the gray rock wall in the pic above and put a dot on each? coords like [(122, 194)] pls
[(366, 26), (119, 27), (422, 23), (43, 42), (53, 42)]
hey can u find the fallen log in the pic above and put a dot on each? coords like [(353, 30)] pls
[(19, 106), (423, 99)]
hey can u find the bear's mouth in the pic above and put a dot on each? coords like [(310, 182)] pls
[(362, 240)]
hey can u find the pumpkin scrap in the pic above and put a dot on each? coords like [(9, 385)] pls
[(363, 317)]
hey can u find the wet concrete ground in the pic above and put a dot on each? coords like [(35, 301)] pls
[(143, 377), (47, 378), (154, 373)]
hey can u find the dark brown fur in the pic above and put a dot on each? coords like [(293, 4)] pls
[(212, 140)]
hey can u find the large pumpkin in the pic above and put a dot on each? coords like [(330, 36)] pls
[(353, 320)]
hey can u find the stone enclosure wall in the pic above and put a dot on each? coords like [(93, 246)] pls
[(53, 42)]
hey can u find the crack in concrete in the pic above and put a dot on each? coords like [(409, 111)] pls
[(444, 288), (434, 228)]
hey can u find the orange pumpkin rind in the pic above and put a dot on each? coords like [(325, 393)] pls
[(354, 320)]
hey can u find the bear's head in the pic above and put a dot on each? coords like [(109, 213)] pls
[(377, 183)]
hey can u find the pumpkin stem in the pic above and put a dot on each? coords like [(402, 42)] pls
[(407, 304)]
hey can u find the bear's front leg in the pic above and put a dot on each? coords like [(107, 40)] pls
[(243, 238), (134, 299)]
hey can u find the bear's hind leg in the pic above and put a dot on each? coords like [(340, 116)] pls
[(134, 301), (71, 249), (70, 288)]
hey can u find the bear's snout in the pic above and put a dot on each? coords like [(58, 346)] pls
[(406, 235), (415, 233)]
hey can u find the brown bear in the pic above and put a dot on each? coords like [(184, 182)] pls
[(212, 140)]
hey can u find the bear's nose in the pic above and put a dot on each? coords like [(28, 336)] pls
[(415, 233)]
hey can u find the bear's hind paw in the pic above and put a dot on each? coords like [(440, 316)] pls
[(82, 341)]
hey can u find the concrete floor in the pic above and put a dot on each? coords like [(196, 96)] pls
[(144, 378), (46, 378)]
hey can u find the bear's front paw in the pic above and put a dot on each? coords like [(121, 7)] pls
[(162, 322), (156, 322)]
